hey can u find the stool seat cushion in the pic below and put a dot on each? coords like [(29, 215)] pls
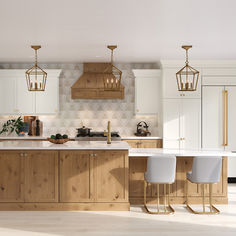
[(205, 170), (161, 169)]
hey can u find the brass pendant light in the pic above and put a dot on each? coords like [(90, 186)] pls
[(112, 75), (187, 77), (36, 76)]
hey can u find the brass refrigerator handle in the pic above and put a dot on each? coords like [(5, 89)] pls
[(226, 114), (223, 93)]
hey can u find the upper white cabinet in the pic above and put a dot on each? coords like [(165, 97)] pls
[(47, 102), (17, 100), (7, 95), (170, 89), (147, 91), (181, 123), (25, 100)]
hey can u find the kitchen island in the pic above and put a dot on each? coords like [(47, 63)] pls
[(71, 176), (90, 175)]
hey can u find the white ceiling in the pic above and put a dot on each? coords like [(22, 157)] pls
[(145, 30)]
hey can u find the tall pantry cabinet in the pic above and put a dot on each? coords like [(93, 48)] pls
[(219, 116), (181, 114)]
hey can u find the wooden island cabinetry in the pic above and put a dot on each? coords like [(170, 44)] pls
[(100, 176), (28, 176), (64, 180)]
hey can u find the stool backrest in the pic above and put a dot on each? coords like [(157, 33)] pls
[(206, 169), (161, 169)]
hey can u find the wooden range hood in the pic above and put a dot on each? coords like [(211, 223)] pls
[(90, 84)]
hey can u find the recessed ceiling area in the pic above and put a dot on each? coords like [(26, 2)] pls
[(145, 31)]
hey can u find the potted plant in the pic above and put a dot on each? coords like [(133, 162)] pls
[(13, 125)]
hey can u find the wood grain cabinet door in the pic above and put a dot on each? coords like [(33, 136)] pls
[(111, 176), (132, 143), (41, 176), (150, 144), (11, 176), (76, 176)]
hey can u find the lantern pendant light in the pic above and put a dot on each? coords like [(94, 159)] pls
[(36, 76), (187, 77), (112, 75)]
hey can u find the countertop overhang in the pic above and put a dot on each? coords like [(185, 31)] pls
[(136, 152)]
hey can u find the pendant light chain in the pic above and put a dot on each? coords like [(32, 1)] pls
[(186, 62), (36, 64)]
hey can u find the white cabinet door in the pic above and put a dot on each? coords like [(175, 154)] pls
[(212, 117), (147, 91), (190, 123), (231, 129), (171, 123), (47, 102), (25, 100), (182, 123), (7, 95)]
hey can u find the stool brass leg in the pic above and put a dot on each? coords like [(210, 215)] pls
[(158, 198), (158, 202), (210, 196), (164, 197), (213, 209), (203, 197), (168, 194), (186, 184)]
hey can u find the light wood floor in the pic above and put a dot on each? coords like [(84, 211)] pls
[(135, 222)]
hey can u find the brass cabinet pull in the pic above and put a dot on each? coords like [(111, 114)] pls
[(226, 115), (223, 94)]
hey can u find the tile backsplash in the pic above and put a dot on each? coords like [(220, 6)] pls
[(92, 113)]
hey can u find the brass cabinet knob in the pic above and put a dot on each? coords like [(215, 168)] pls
[(22, 154), (137, 110)]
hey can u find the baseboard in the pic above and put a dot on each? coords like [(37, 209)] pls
[(232, 180)]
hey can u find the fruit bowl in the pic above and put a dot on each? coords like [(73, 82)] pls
[(58, 141)]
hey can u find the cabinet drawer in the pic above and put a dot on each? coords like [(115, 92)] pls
[(145, 143)]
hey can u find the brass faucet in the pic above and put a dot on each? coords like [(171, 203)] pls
[(108, 132)]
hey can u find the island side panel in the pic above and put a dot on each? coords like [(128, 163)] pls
[(177, 196)]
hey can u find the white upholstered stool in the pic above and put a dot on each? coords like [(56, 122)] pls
[(160, 170), (205, 170)]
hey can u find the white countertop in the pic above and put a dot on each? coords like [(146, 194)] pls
[(22, 137), (43, 137), (177, 152), (141, 137), (71, 145)]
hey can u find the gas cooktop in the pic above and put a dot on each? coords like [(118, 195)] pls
[(98, 136)]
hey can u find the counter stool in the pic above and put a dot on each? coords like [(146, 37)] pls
[(205, 170), (160, 170)]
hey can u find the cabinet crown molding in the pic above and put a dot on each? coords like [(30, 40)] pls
[(199, 63), (21, 72)]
